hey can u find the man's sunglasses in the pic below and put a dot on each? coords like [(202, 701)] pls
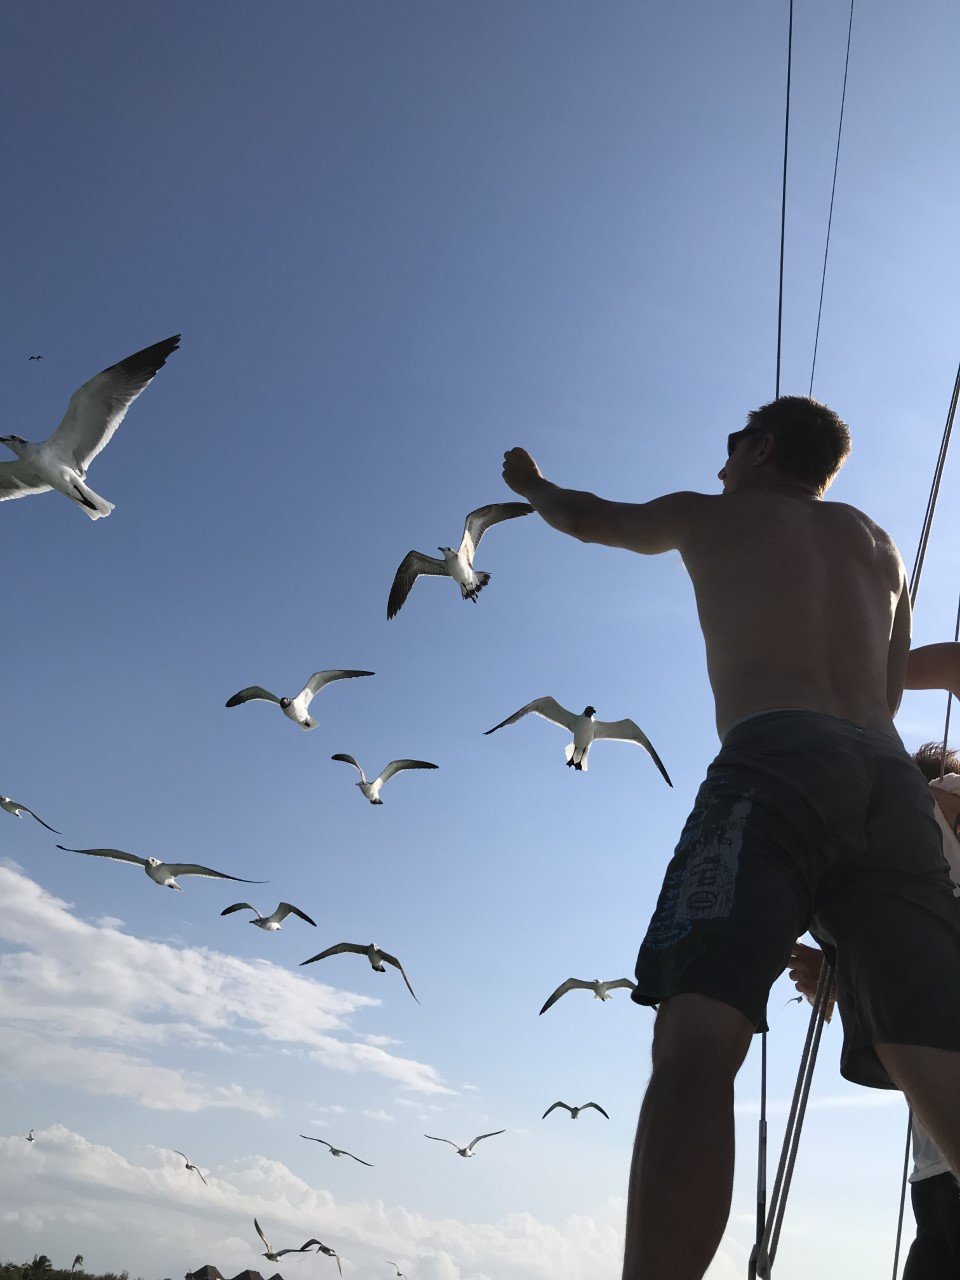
[(734, 439)]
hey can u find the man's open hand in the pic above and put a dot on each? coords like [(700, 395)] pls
[(520, 471)]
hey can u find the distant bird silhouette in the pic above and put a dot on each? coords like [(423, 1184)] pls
[(30, 1137), (468, 1149), (192, 1167), (401, 1275), (296, 708), (325, 1248), (337, 1151), (600, 989), (458, 564), (373, 953), (95, 411), (574, 1111), (29, 358), (18, 810), (372, 789), (274, 1255)]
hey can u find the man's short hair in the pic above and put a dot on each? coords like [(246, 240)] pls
[(932, 763), (811, 442)]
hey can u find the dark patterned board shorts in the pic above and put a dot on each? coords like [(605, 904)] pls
[(804, 822)]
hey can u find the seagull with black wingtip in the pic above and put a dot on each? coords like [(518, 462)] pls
[(162, 873), (274, 1255), (296, 708), (468, 1149), (337, 1151), (373, 953), (574, 1111), (273, 921), (372, 789), (458, 564), (601, 990), (586, 729), (95, 411), (18, 810)]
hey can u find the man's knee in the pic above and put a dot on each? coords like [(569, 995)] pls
[(696, 1032)]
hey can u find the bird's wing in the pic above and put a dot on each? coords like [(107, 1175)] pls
[(36, 818), (182, 1153), (553, 1106), (288, 909), (619, 982), (596, 1106), (358, 1160), (320, 678), (398, 766), (630, 731), (194, 869), (397, 965), (240, 906), (201, 1177), (309, 1139), (340, 949), (117, 855), (18, 479), (571, 984), (255, 693), (262, 1236), (448, 1141), (478, 522), (413, 564), (547, 708), (480, 1137), (342, 755), (98, 407)]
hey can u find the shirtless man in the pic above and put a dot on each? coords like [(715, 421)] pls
[(811, 803)]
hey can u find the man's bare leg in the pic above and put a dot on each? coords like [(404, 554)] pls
[(930, 1079), (682, 1173)]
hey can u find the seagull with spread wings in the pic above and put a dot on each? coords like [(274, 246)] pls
[(458, 564), (271, 922), (325, 1248), (18, 810), (586, 729), (372, 789), (468, 1149), (95, 411), (161, 872), (401, 1275), (274, 1255), (296, 708), (601, 990), (574, 1111), (373, 953), (337, 1151), (190, 1166)]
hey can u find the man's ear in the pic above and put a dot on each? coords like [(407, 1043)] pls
[(763, 450)]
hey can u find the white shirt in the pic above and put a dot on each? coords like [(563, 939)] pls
[(927, 1159)]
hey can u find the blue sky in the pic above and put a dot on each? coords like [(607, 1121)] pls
[(398, 239)]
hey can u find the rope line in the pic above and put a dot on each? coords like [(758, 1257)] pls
[(833, 192), (783, 197), (903, 1196), (934, 493)]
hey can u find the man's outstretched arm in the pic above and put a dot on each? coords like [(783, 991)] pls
[(647, 527), (934, 666)]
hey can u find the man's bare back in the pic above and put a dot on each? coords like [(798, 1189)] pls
[(802, 602)]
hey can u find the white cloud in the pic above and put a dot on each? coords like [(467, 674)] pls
[(385, 1116), (116, 996), (179, 1224)]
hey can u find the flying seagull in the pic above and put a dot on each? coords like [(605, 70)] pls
[(586, 728), (29, 358), (18, 810), (601, 990), (271, 922), (273, 1255), (372, 789), (192, 1167), (30, 1137), (373, 953), (401, 1275), (95, 411), (161, 872), (574, 1111), (458, 564), (468, 1149), (295, 709), (325, 1248), (337, 1151)]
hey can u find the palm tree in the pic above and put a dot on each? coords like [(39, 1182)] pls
[(77, 1262), (40, 1265)]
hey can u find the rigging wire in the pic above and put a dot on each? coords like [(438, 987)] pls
[(783, 197), (903, 1196), (833, 192)]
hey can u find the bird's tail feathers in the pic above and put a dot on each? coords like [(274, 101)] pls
[(572, 762)]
